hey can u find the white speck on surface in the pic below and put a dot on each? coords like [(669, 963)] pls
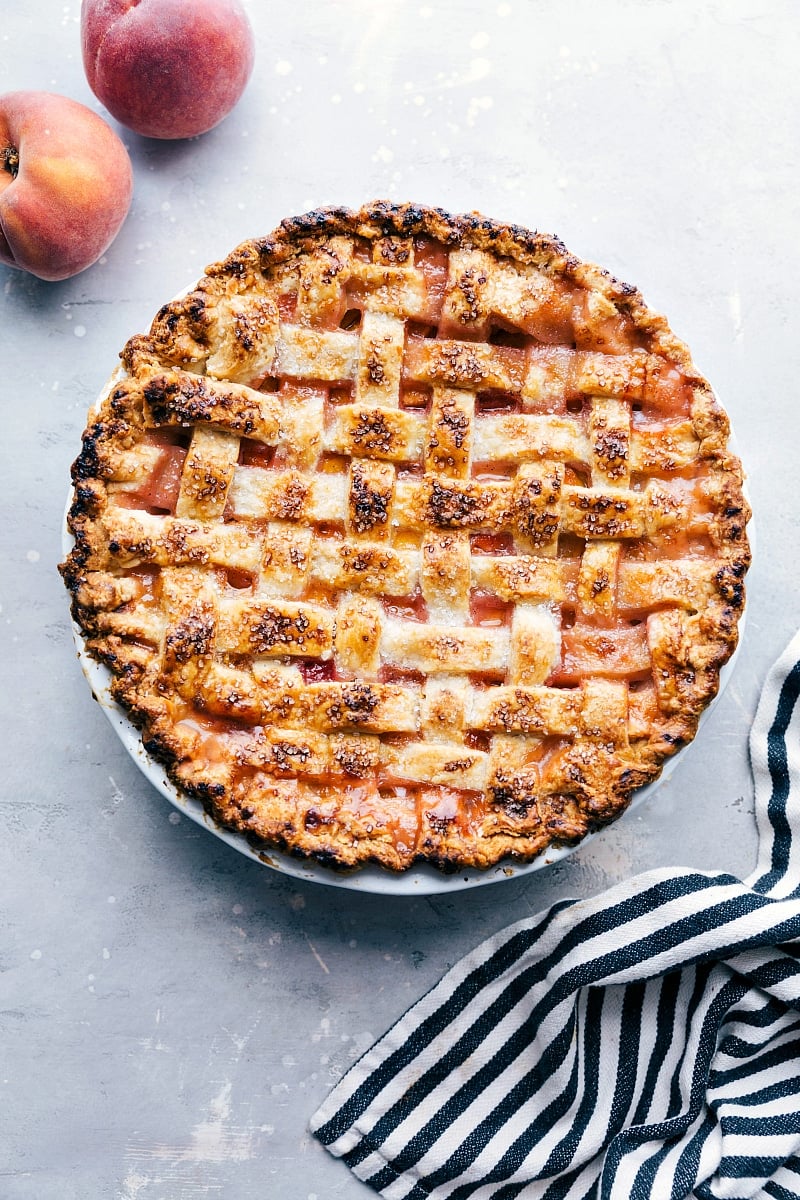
[(479, 68), (358, 87), (149, 1043), (735, 308), (419, 100), (383, 154), (106, 952), (237, 910), (165, 205), (336, 98), (33, 556), (132, 1184), (36, 955), (213, 1140), (283, 67), (79, 331), (112, 899), (479, 41), (297, 901), (478, 104), (174, 818), (564, 51)]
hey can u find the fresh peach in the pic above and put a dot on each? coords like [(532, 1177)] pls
[(167, 68), (65, 184)]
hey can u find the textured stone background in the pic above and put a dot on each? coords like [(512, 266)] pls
[(171, 1013)]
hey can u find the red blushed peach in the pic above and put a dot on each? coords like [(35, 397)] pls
[(167, 68), (65, 184)]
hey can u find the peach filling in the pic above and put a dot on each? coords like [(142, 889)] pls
[(495, 544), (158, 493), (620, 653), (407, 608), (488, 610), (255, 454)]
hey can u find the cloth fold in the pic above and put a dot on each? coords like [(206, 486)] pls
[(644, 1043)]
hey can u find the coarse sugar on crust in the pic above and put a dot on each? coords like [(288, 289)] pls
[(409, 537)]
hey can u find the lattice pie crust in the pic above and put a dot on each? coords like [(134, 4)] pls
[(409, 536)]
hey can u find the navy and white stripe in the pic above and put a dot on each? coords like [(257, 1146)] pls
[(645, 1043)]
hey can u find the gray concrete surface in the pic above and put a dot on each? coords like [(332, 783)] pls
[(171, 1014)]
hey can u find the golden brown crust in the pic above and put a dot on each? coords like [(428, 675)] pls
[(409, 537)]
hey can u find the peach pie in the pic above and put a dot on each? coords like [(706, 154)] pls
[(409, 537)]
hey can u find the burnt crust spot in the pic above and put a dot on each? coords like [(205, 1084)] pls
[(375, 369), (458, 764), (611, 446), (354, 706), (367, 559), (191, 638), (369, 506), (457, 364), (188, 399), (515, 793), (290, 501), (288, 756), (394, 250), (372, 432), (600, 583), (354, 760), (456, 423), (536, 508), (274, 628), (468, 284), (455, 506)]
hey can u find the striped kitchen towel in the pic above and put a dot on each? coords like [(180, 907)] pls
[(645, 1043)]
